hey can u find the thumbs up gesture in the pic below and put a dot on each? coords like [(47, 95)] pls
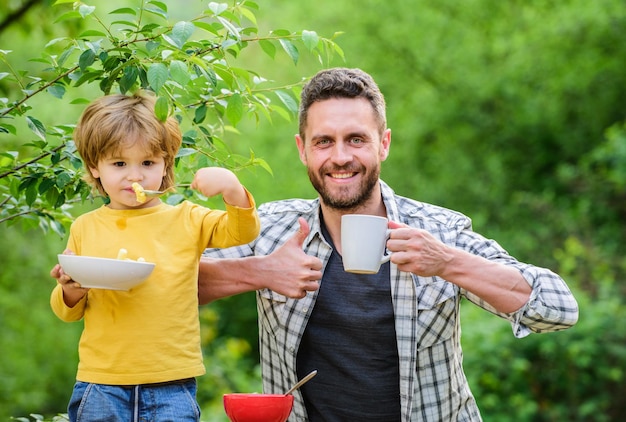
[(296, 273)]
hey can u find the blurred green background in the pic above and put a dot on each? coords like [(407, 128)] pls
[(511, 112)]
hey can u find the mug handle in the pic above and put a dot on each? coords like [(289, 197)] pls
[(386, 257)]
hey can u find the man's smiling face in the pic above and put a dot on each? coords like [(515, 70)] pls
[(343, 151)]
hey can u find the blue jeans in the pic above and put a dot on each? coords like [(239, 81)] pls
[(165, 402)]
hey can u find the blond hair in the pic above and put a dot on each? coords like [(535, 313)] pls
[(109, 123)]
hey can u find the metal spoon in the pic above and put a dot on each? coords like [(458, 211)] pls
[(302, 381), (155, 193)]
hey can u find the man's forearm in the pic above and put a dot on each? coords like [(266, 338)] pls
[(501, 286)]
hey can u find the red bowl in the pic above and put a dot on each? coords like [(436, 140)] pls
[(255, 407)]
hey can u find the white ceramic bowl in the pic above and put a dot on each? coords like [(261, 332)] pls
[(105, 273)]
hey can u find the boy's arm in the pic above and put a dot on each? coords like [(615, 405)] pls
[(68, 299), (211, 181), (72, 291)]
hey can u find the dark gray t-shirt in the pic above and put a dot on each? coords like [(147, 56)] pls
[(351, 340)]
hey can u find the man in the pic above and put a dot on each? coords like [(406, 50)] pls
[(387, 345)]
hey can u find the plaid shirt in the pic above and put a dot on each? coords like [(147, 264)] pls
[(433, 386)]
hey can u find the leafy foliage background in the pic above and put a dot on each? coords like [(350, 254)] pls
[(511, 112)]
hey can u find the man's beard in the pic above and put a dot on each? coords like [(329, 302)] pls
[(345, 200)]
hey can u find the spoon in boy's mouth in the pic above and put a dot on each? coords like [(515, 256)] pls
[(142, 193)]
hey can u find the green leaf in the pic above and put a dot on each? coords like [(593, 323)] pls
[(252, 5), (310, 39), (248, 14), (63, 179), (263, 164), (206, 132), (179, 72), (73, 14), (287, 100), (339, 51), (281, 32), (63, 56), (31, 194), (161, 108), (55, 157), (128, 79), (86, 59), (36, 144), (172, 41), (152, 45), (59, 229), (225, 74), (129, 24), (36, 126), (229, 27), (183, 30), (86, 10), (124, 11), (12, 155), (45, 185), (189, 137), (234, 109), (143, 78), (52, 42), (157, 8), (91, 33), (184, 152), (110, 62), (60, 199), (211, 76), (165, 54), (157, 75), (14, 187), (106, 84), (174, 198), (209, 27), (159, 4), (149, 27), (281, 112), (80, 101), (200, 114), (57, 90), (87, 77), (268, 47), (7, 128), (217, 8), (52, 195), (290, 49)]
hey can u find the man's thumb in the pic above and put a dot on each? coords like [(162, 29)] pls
[(303, 232)]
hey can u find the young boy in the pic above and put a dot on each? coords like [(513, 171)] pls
[(140, 349)]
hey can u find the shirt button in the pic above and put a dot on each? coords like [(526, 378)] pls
[(305, 310)]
